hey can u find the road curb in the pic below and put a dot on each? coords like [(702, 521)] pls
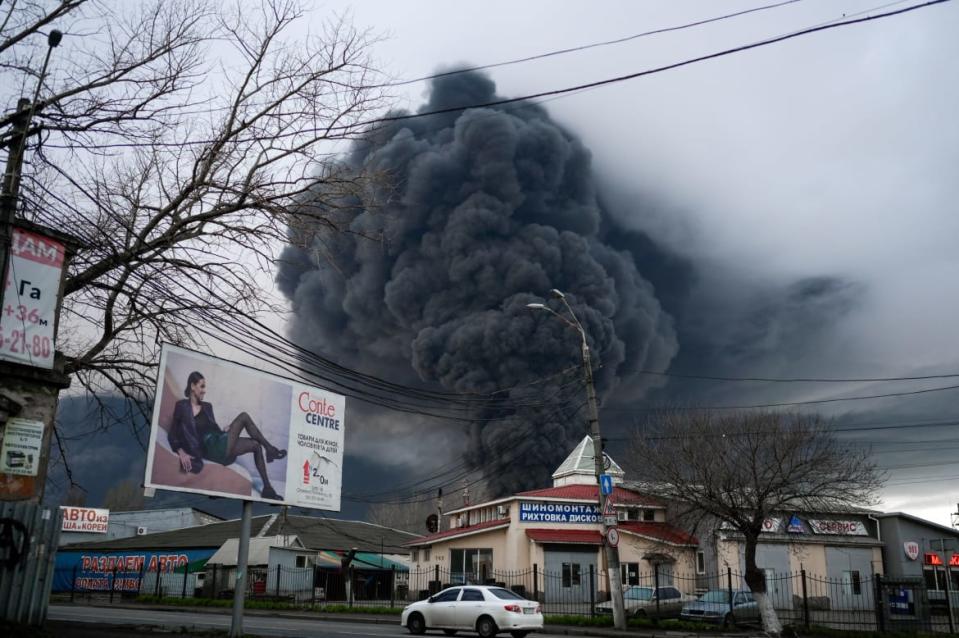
[(373, 619)]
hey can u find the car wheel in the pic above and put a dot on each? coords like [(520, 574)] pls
[(729, 622), (449, 632), (415, 624), (519, 634), (639, 613), (485, 627)]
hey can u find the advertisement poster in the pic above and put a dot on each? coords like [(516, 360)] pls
[(32, 285), (146, 572), (84, 519), (223, 429), (20, 451)]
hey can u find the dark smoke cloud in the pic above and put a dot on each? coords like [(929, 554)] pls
[(477, 214)]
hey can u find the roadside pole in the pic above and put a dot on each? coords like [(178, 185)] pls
[(242, 559)]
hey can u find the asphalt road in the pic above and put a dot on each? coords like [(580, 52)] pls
[(260, 625)]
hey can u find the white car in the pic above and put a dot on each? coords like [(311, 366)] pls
[(480, 608)]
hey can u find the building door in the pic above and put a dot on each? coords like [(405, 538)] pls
[(773, 559), (566, 577), (849, 570)]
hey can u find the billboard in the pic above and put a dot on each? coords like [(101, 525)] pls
[(31, 291), (84, 519), (223, 429)]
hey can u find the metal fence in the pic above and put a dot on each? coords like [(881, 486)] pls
[(28, 541), (800, 599)]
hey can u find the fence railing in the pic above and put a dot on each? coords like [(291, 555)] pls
[(800, 599)]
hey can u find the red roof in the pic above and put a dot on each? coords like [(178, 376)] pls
[(659, 531), (459, 531), (579, 536), (621, 496)]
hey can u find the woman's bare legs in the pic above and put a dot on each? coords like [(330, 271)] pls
[(244, 422)]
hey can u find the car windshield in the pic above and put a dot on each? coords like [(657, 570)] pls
[(715, 596), (505, 594), (639, 593)]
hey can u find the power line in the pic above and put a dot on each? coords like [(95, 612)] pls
[(549, 54), (329, 131), (706, 377)]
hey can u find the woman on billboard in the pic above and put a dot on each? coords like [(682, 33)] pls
[(195, 435)]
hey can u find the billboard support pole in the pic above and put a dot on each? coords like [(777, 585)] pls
[(242, 556)]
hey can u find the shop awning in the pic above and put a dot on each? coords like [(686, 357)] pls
[(571, 536)]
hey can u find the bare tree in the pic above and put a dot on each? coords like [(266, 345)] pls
[(739, 469), (173, 138), (125, 496)]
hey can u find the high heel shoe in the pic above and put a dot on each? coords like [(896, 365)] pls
[(274, 453), (269, 492)]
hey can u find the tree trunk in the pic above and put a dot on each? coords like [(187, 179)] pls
[(756, 580)]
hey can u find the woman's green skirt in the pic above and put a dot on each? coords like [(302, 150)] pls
[(214, 447)]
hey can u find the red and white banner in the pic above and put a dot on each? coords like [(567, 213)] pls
[(85, 519), (30, 299), (842, 528)]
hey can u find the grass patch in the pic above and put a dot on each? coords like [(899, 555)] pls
[(269, 604)]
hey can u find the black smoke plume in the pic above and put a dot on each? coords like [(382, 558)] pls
[(474, 215)]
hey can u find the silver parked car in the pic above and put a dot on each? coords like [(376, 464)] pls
[(480, 608), (713, 606), (639, 602)]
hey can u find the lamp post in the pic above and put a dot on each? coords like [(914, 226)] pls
[(613, 582)]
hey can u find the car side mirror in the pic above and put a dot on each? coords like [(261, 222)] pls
[(430, 600)]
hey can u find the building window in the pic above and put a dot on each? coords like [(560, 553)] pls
[(471, 566), (571, 575), (933, 578), (851, 583), (649, 515), (426, 554), (700, 562), (622, 515), (301, 561), (415, 556), (630, 573)]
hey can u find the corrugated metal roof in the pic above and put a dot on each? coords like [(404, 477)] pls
[(211, 535), (582, 461), (314, 532), (575, 536)]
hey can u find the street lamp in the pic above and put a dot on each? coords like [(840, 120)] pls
[(613, 582)]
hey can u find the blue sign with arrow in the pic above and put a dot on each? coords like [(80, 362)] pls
[(606, 484)]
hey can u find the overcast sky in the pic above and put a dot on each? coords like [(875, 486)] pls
[(830, 157), (807, 189)]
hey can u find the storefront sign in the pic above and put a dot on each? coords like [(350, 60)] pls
[(123, 571), (558, 513), (85, 519), (932, 558), (954, 560), (772, 525), (842, 528), (30, 298), (795, 525), (912, 549), (20, 452)]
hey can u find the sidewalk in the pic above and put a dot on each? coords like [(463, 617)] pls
[(384, 619)]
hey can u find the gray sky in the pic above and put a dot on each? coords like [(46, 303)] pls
[(832, 155)]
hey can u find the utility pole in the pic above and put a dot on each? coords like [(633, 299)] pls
[(14, 167), (11, 185), (613, 579)]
